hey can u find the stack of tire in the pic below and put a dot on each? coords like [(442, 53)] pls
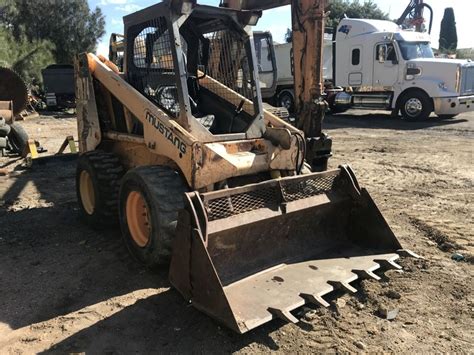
[(13, 137)]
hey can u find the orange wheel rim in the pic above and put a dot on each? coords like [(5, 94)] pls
[(137, 218), (86, 190)]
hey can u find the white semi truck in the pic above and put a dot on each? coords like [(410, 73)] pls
[(374, 64)]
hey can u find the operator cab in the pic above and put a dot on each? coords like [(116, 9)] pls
[(202, 62)]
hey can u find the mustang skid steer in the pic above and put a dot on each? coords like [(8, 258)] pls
[(179, 147)]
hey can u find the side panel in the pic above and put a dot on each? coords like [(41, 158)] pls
[(283, 62)]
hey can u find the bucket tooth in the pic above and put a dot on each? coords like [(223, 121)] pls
[(343, 285), (315, 299), (388, 264), (283, 315), (366, 274), (408, 254)]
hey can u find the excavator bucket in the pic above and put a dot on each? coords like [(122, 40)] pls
[(250, 254)]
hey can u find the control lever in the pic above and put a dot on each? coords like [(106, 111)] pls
[(238, 110)]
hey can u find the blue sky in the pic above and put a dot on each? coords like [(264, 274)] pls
[(279, 19)]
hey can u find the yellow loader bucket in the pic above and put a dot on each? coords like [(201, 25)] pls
[(250, 254)]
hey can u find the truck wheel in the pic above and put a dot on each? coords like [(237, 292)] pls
[(446, 117), (150, 198), (98, 177), (18, 139), (335, 110), (286, 100), (416, 105)]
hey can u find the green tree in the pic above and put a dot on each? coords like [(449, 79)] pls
[(353, 9), (338, 9), (289, 36), (25, 57), (69, 24), (448, 37)]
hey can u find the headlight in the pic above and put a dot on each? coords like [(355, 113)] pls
[(412, 71), (457, 86)]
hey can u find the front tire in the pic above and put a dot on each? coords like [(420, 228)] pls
[(98, 177), (416, 106), (150, 199)]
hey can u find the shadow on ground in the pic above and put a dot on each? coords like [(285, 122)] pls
[(385, 121), (53, 265), (162, 323), (71, 113)]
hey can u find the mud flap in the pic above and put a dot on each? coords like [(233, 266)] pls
[(250, 254)]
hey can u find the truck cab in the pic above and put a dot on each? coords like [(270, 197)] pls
[(394, 69)]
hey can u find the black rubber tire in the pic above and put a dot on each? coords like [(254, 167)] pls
[(426, 105), (18, 139), (286, 100), (4, 128), (163, 190), (106, 172), (333, 109), (446, 117)]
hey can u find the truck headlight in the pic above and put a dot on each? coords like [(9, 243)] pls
[(412, 71), (457, 85)]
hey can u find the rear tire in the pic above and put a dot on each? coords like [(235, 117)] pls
[(286, 100), (150, 199), (18, 139), (98, 176), (416, 106), (446, 117)]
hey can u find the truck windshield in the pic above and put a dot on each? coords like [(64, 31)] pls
[(413, 50)]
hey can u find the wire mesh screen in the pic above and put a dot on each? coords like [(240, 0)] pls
[(228, 64), (270, 196), (152, 71)]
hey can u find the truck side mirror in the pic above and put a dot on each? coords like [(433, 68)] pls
[(382, 53)]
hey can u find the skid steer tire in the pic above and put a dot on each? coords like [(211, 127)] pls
[(98, 176), (150, 199)]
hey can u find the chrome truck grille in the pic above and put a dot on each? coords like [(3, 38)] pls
[(467, 80)]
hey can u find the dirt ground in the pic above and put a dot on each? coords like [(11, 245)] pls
[(65, 288)]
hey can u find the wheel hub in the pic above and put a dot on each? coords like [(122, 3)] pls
[(137, 218), (86, 190), (413, 107), (285, 102)]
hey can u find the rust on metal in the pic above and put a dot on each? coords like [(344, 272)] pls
[(254, 253)]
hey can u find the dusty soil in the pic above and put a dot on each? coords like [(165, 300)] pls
[(65, 288)]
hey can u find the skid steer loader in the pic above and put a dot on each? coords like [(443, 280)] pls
[(201, 176)]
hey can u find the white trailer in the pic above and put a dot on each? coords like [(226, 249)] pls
[(377, 65)]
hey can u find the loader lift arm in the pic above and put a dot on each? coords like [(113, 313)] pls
[(308, 36)]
